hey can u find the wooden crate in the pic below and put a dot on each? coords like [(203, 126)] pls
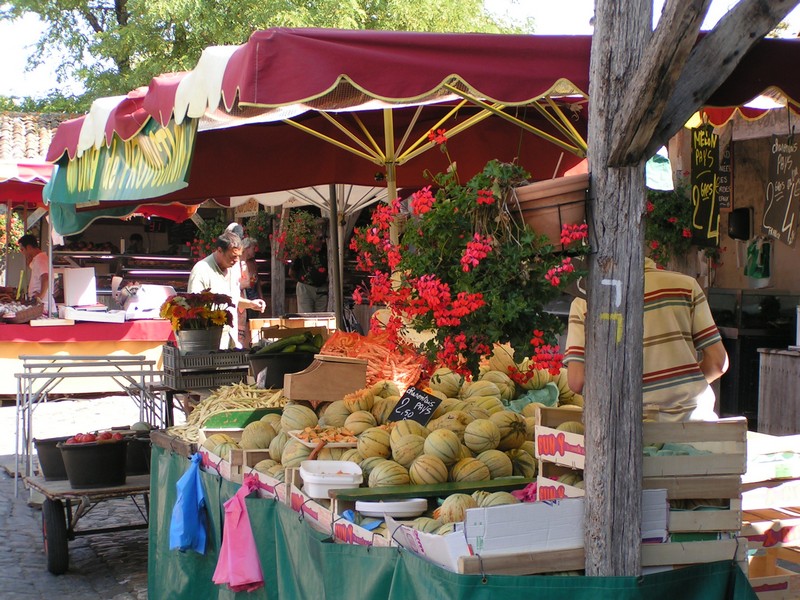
[(770, 581), (725, 440), (716, 475), (329, 378)]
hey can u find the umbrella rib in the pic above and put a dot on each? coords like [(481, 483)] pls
[(410, 127), (375, 147), (336, 143), (452, 132), (497, 110), (422, 139)]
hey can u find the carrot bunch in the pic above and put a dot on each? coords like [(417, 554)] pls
[(330, 435)]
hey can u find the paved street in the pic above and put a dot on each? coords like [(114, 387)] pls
[(110, 566)]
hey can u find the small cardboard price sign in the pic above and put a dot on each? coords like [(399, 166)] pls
[(415, 405)]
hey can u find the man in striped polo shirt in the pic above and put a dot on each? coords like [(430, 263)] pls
[(677, 326)]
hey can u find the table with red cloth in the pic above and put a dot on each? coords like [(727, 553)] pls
[(134, 338)]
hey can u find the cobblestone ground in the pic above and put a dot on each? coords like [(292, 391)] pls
[(109, 566)]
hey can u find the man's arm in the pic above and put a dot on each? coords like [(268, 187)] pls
[(714, 362), (576, 376), (257, 304)]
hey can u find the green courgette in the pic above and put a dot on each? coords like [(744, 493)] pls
[(290, 348), (279, 345), (307, 348)]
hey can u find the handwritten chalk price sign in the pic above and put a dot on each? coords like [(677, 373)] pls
[(783, 187), (705, 186), (415, 405)]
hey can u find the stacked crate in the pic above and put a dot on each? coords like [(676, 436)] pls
[(559, 453), (709, 477)]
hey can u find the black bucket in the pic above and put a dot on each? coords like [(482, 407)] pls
[(277, 365), (95, 464), (50, 461), (137, 458)]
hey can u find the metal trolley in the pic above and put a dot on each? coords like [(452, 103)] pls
[(64, 506)]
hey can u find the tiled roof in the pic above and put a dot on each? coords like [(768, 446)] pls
[(26, 136)]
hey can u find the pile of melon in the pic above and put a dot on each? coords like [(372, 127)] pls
[(471, 436)]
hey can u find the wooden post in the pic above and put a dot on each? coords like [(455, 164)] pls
[(641, 94), (277, 270)]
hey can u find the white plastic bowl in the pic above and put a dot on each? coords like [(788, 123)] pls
[(321, 476)]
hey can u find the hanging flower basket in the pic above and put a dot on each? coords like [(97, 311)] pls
[(546, 206)]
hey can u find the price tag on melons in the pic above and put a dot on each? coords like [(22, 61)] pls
[(415, 405)]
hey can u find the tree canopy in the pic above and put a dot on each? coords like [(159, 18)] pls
[(114, 46)]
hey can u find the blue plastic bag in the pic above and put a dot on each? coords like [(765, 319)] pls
[(187, 530)]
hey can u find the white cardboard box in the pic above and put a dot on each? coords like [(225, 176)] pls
[(110, 316), (80, 287)]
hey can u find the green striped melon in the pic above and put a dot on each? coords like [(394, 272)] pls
[(277, 445), (456, 421), (508, 389), (328, 453), (294, 452), (359, 421), (277, 472), (406, 427), (443, 444), (446, 406), (475, 412), (529, 447), (512, 429), (490, 404), (335, 413), (407, 448), (426, 524), (498, 463), (446, 381), (523, 463), (297, 416), (497, 499), (454, 507), (273, 419), (445, 529), (473, 389), (384, 389), (359, 400), (257, 436), (469, 469), (388, 473), (571, 427), (465, 453), (223, 450), (352, 455), (481, 435), (263, 466), (479, 496), (530, 429), (374, 442), (367, 464), (427, 469), (383, 407)]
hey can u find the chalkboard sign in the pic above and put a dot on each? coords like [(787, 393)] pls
[(781, 195), (415, 405), (724, 179), (705, 186)]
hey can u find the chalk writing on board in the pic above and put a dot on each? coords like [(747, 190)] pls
[(781, 194), (705, 186), (415, 405), (724, 179)]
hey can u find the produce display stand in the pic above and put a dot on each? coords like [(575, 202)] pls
[(41, 375), (300, 562), (64, 506)]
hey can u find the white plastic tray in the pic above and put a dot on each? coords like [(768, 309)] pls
[(413, 507)]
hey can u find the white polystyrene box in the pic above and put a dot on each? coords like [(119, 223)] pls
[(320, 476)]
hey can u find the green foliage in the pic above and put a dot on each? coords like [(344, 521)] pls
[(127, 43)]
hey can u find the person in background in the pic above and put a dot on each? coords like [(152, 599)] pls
[(311, 273), (217, 273), (135, 244), (677, 327), (250, 287), (39, 276)]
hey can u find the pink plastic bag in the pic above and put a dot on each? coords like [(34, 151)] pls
[(238, 564)]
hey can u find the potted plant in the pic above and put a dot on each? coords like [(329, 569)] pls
[(198, 319), (468, 272)]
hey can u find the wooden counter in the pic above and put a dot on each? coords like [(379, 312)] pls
[(779, 391)]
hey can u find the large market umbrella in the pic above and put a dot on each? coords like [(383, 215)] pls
[(298, 107)]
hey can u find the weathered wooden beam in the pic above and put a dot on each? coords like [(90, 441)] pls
[(713, 59), (614, 327), (651, 84)]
